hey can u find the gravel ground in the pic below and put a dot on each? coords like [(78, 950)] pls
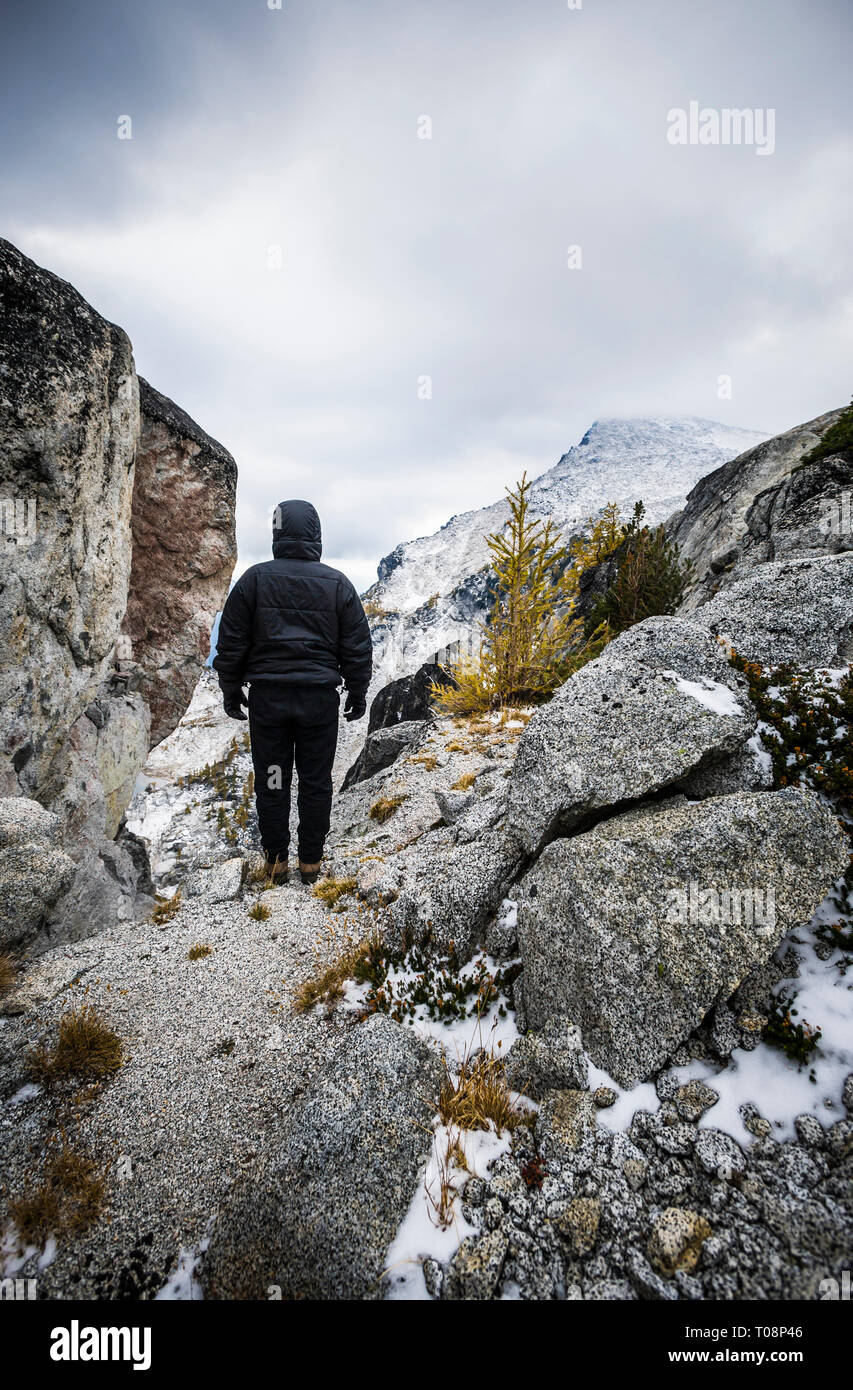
[(215, 1056)]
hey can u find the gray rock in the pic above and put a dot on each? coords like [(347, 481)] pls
[(810, 1131), (847, 1093), (553, 1060), (791, 611), (382, 748), (607, 929), (34, 870), (452, 890), (217, 883), (625, 727), (69, 419), (317, 1221), (565, 1118), (762, 506), (102, 893), (408, 699), (718, 1155), (475, 1269)]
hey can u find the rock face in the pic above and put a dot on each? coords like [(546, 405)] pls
[(771, 539), (791, 611), (34, 871), (763, 505), (634, 929), (69, 419), (184, 550), (117, 545), (660, 704), (409, 698), (381, 749), (318, 1222)]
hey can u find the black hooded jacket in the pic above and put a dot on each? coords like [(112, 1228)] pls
[(292, 619)]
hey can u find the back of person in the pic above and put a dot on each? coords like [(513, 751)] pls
[(293, 629)]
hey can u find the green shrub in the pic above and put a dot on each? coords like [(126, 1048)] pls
[(650, 580)]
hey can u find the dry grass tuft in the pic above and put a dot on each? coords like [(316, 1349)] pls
[(385, 807), (465, 781), (331, 889), (199, 951), (426, 760), (68, 1199), (7, 974), (362, 962), (86, 1047), (477, 1095), (259, 912), (166, 908)]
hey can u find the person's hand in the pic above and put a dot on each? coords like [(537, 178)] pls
[(234, 702), (355, 707)]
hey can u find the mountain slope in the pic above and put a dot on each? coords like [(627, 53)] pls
[(432, 591)]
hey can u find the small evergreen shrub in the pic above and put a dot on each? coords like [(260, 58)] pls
[(797, 1040), (838, 439), (650, 580)]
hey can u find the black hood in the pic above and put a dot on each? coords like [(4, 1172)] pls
[(296, 532)]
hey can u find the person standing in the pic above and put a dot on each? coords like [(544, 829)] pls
[(292, 629)]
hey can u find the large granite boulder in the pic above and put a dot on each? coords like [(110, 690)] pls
[(69, 419), (184, 550), (317, 1221), (634, 929), (767, 504), (116, 548), (659, 706), (34, 870), (797, 612)]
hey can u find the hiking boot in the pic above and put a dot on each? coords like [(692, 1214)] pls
[(309, 872), (276, 866)]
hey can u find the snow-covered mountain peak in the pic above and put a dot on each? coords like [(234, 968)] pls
[(656, 460)]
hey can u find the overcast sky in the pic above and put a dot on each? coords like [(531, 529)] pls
[(402, 258)]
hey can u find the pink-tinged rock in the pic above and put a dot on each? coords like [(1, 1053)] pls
[(184, 549)]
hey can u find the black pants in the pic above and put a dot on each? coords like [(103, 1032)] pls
[(291, 723)]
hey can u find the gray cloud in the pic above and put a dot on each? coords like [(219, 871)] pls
[(401, 257)]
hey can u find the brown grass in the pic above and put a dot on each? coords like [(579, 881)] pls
[(199, 951), (166, 908), (86, 1048), (427, 760), (359, 963), (331, 889), (8, 974), (69, 1197), (259, 912), (477, 1095), (385, 807), (465, 781)]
